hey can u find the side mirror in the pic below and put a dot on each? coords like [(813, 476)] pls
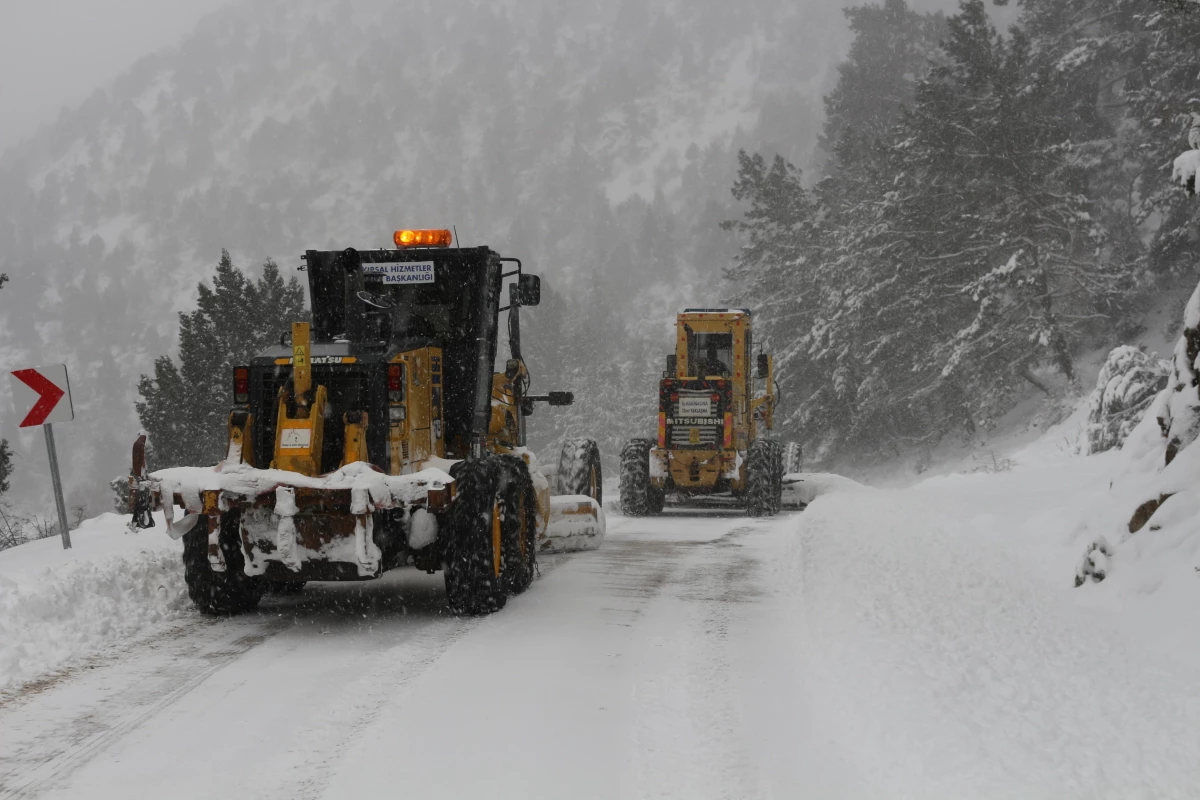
[(511, 368), (561, 398), (672, 365), (529, 290), (764, 365)]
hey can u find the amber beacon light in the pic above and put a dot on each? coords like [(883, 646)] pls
[(432, 238)]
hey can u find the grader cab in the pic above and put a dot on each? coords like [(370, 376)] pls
[(716, 407), (382, 435)]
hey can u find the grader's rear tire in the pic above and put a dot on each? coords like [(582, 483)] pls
[(220, 593), (639, 497), (579, 469), (518, 506), (764, 485), (777, 491), (473, 560)]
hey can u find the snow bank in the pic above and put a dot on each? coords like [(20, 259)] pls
[(802, 488), (1143, 537), (944, 652), (57, 606)]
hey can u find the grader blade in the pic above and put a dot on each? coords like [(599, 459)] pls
[(576, 523)]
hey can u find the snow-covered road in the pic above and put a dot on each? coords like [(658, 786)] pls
[(634, 670), (880, 644)]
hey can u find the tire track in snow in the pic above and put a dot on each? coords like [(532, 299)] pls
[(305, 773), (50, 757), (18, 695), (690, 733), (118, 708)]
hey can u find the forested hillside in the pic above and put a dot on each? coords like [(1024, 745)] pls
[(998, 202)]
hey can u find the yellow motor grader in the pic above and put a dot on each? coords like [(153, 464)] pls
[(382, 436), (712, 446)]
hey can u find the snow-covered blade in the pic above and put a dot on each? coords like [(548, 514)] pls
[(576, 523), (360, 486), (802, 488), (317, 528)]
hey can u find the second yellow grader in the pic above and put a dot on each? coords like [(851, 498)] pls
[(716, 405)]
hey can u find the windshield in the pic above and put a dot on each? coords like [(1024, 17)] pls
[(710, 354), (440, 311)]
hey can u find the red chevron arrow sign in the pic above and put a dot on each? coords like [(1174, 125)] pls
[(42, 395)]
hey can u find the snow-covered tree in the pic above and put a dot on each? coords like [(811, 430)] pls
[(892, 49), (951, 251), (1161, 92), (1128, 382)]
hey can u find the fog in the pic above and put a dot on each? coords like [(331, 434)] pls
[(599, 143), (56, 53)]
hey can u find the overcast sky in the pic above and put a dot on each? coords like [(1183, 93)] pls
[(57, 52)]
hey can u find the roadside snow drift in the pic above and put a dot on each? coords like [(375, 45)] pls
[(59, 605), (1143, 536), (941, 645)]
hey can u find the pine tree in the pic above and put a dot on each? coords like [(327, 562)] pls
[(1089, 50), (1026, 250), (776, 274), (778, 230), (819, 266), (893, 47), (183, 406), (1161, 91)]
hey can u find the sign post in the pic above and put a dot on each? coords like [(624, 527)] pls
[(58, 492), (37, 395)]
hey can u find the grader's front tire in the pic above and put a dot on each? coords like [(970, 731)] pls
[(639, 497), (579, 469), (220, 593), (473, 556), (764, 485)]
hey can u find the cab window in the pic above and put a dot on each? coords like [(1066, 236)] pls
[(710, 354)]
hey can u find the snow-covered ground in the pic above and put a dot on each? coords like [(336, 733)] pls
[(60, 606), (883, 643)]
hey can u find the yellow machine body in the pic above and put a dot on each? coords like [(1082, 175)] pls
[(415, 424), (706, 454), (300, 419)]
